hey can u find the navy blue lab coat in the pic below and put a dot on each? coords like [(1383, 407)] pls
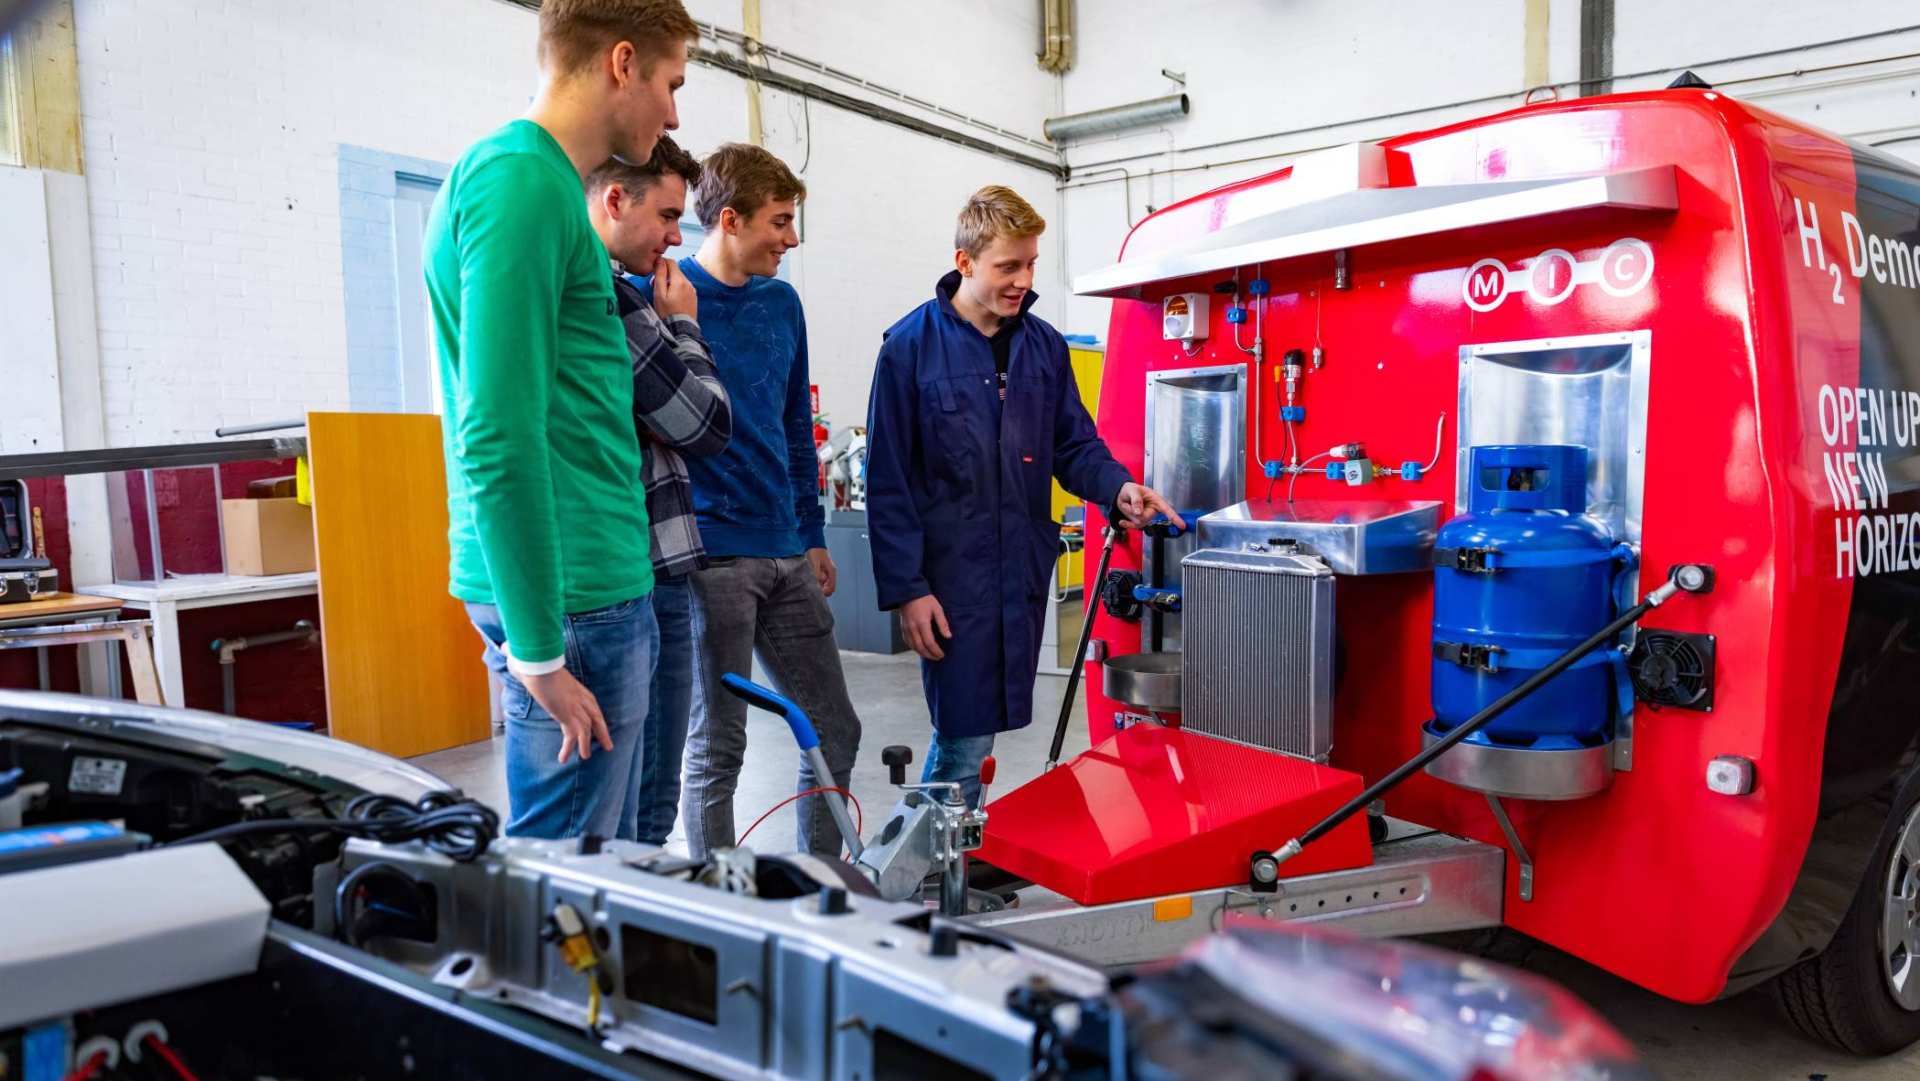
[(959, 497)]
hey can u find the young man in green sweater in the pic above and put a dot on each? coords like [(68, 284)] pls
[(547, 514)]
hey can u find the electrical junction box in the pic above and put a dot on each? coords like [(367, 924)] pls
[(1184, 316)]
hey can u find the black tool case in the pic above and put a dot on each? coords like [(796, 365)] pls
[(23, 576)]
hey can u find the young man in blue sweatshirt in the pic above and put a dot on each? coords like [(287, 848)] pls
[(763, 592)]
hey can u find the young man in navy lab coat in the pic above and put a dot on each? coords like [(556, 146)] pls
[(974, 414)]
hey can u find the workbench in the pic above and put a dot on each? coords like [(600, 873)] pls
[(70, 619), (164, 601)]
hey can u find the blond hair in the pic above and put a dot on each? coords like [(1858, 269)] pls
[(573, 32), (992, 212)]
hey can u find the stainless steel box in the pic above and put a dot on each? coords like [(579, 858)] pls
[(1258, 663), (1384, 537)]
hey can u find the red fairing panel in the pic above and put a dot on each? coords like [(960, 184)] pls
[(1153, 811), (1658, 879)]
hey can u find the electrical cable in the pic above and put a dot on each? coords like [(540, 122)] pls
[(349, 930), (806, 114), (167, 1055), (453, 826), (88, 1069), (859, 819), (1488, 99)]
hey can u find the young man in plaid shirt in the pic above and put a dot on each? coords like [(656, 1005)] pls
[(680, 408)]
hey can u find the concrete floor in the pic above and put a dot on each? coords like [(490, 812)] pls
[(1742, 1038)]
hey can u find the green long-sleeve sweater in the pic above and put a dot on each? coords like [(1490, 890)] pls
[(546, 514)]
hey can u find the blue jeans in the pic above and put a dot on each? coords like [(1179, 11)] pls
[(610, 651), (958, 758), (656, 799)]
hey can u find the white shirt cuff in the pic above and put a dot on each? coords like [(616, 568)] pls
[(535, 668)]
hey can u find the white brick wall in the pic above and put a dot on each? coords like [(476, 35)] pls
[(1255, 67), (213, 129)]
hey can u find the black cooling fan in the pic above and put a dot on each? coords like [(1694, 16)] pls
[(1671, 668)]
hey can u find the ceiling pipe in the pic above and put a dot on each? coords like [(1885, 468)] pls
[(1139, 114)]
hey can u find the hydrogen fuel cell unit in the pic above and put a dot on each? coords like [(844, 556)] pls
[(1492, 382)]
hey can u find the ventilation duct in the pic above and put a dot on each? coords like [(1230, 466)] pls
[(1139, 114)]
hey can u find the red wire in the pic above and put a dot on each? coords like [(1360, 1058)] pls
[(88, 1068), (859, 820), (153, 1043)]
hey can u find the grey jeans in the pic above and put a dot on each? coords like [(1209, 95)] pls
[(771, 608)]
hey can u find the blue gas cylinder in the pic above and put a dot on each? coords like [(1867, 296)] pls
[(1522, 577)]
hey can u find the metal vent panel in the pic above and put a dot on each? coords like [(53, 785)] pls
[(1258, 661)]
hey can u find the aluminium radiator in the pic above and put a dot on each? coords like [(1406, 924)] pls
[(1258, 660)]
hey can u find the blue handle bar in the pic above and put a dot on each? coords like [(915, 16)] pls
[(1168, 597), (774, 702)]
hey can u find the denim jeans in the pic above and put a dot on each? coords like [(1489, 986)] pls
[(773, 609), (657, 797), (610, 651), (958, 758)]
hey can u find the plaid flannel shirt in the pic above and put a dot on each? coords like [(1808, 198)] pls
[(679, 407)]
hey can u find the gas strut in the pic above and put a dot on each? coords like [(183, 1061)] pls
[(1161, 527), (1086, 636), (1684, 578)]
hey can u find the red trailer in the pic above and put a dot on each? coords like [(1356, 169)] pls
[(1723, 307)]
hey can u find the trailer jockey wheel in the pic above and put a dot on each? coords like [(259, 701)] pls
[(1862, 993)]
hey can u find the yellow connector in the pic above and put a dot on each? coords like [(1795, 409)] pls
[(578, 952)]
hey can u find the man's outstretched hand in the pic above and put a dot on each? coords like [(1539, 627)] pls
[(1141, 504)]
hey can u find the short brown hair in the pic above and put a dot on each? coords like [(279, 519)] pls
[(573, 32), (667, 158), (744, 178), (992, 212)]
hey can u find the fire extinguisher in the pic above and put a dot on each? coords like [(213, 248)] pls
[(819, 436)]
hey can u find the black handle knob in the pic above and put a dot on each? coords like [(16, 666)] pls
[(946, 941), (833, 901), (897, 759)]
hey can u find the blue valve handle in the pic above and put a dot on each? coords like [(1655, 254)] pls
[(1165, 598), (774, 702), (1188, 521)]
